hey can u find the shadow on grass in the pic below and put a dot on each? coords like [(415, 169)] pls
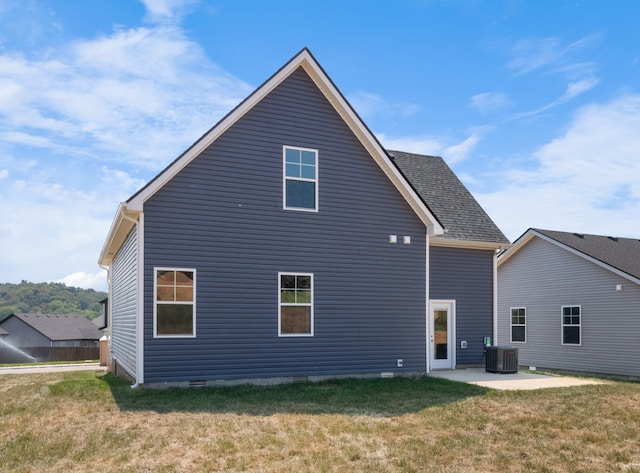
[(373, 397)]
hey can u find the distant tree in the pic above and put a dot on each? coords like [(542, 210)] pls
[(49, 298)]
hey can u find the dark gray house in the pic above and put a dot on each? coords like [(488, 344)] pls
[(570, 302), (286, 243), (48, 337)]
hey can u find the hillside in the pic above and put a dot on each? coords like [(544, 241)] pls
[(49, 298)]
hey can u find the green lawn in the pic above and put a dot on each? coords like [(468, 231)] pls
[(86, 421)]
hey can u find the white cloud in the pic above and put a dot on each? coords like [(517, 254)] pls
[(141, 95), (4, 173), (86, 280), (489, 102), (368, 104), (551, 55), (451, 151), (159, 10), (585, 180)]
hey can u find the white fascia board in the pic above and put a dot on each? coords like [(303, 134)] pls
[(124, 220), (469, 244), (531, 233)]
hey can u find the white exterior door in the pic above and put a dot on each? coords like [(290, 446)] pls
[(442, 336)]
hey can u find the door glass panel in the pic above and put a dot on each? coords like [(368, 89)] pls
[(440, 335)]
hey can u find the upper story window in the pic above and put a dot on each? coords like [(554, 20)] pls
[(300, 179), (518, 324), (571, 324), (174, 302)]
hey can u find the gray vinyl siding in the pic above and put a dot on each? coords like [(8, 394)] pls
[(124, 304), (222, 215), (466, 276), (22, 335), (544, 277)]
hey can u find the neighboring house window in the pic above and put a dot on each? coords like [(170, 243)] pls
[(174, 307), (295, 304), (300, 179), (571, 325), (518, 324)]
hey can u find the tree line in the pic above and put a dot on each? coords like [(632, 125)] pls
[(49, 298)]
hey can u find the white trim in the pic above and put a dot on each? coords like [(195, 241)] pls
[(511, 340), (316, 180), (495, 298), (310, 304), (155, 302), (451, 332), (562, 326), (140, 301), (427, 308), (469, 244)]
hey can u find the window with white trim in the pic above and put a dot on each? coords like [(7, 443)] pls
[(571, 325), (174, 311), (295, 304), (519, 324), (300, 175)]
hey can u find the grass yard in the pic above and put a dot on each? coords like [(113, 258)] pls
[(86, 421)]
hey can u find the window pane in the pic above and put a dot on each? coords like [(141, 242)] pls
[(517, 334), (301, 194), (303, 282), (308, 172), (184, 294), (571, 335), (288, 281), (295, 319), (566, 311), (174, 319), (293, 170), (184, 278), (292, 155), (165, 278), (308, 157), (288, 297), (303, 296), (575, 311), (164, 293)]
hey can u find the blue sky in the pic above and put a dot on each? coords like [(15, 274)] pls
[(534, 104)]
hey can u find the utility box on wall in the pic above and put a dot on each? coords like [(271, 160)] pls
[(501, 360)]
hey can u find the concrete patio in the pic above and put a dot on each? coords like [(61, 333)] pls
[(514, 381)]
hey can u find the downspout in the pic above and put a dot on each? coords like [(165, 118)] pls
[(139, 330), (495, 297)]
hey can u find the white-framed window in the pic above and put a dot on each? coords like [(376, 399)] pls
[(519, 324), (571, 325), (295, 304), (300, 178), (174, 302)]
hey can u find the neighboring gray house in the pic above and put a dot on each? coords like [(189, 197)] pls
[(286, 243), (571, 302), (45, 330)]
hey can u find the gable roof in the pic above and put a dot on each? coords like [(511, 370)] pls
[(129, 211), (620, 255), (462, 217), (61, 327)]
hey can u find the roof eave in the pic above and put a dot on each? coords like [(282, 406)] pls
[(469, 244), (123, 222)]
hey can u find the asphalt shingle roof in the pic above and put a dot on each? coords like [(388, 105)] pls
[(620, 253), (447, 197), (62, 327)]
